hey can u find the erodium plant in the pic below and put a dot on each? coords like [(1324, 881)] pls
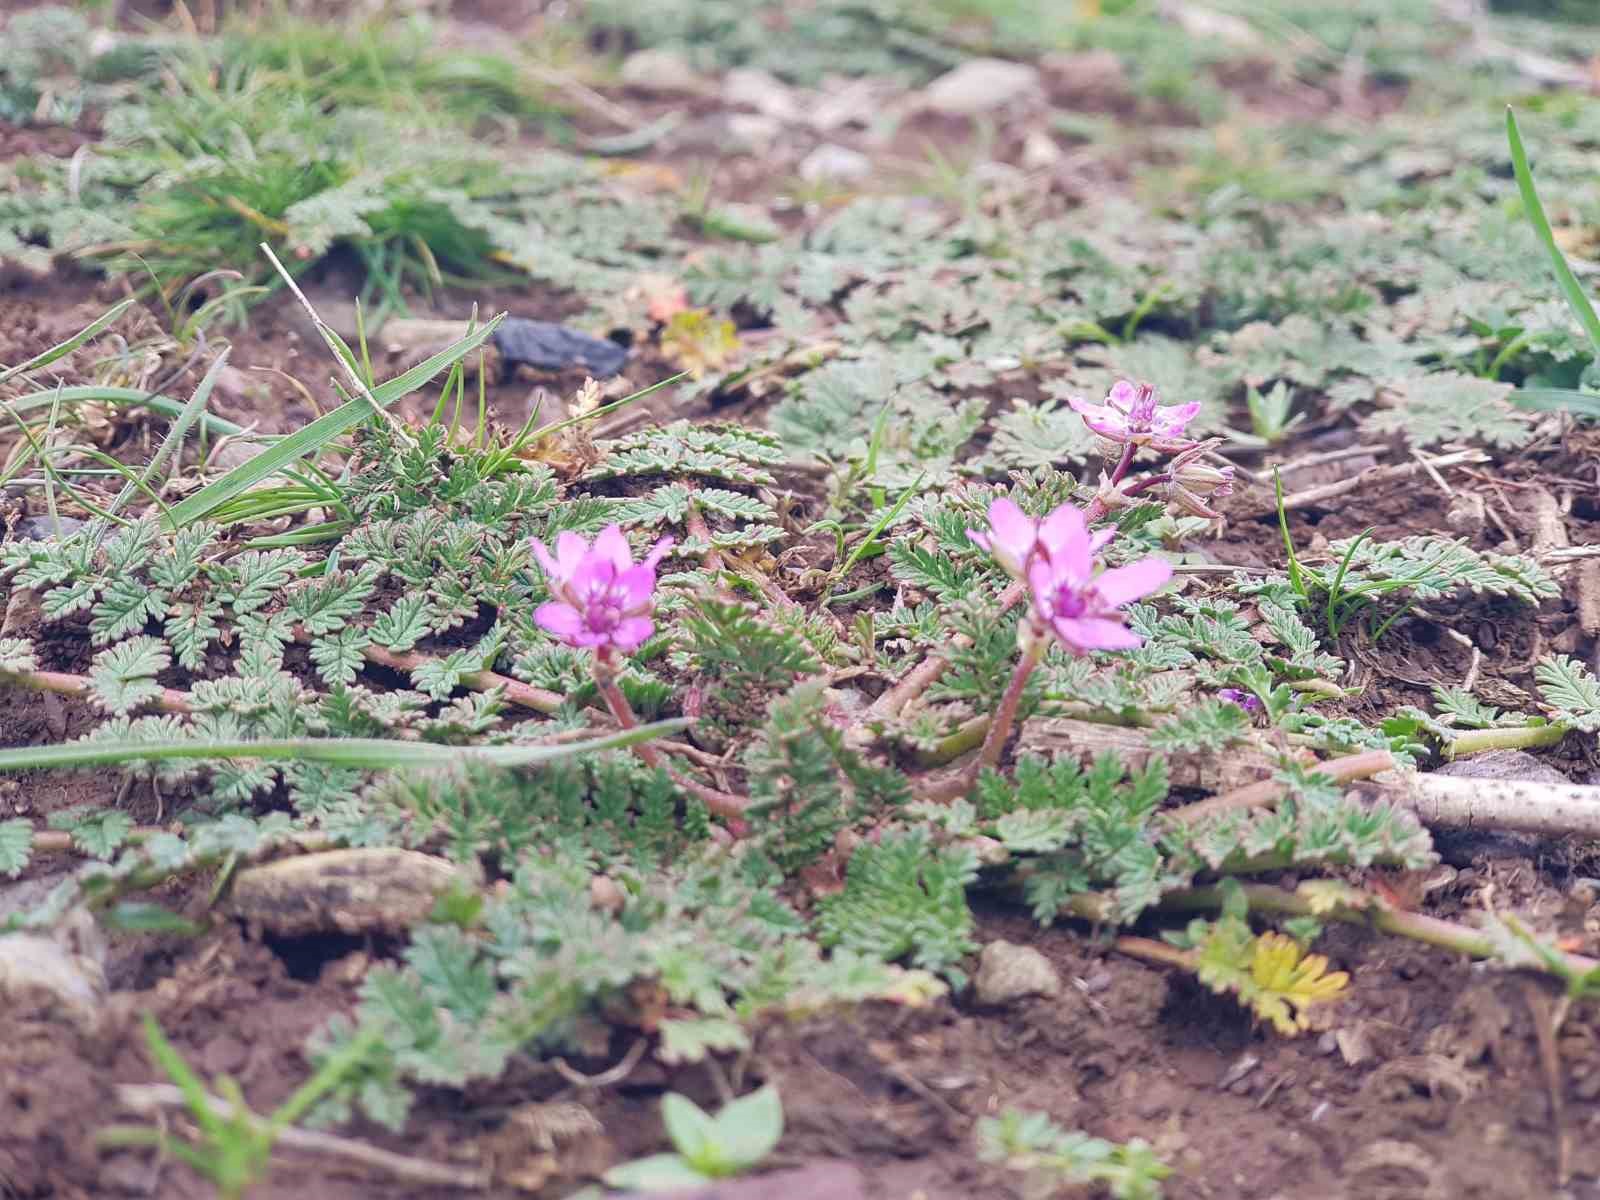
[(1072, 598)]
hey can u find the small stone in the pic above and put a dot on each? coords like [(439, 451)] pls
[(833, 163), (357, 891), (1091, 80), (1007, 972), (661, 71), (55, 975), (1039, 151), (1514, 765), (46, 529), (753, 133), (746, 87), (980, 85)]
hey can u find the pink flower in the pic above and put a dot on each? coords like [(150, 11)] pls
[(1131, 417), (601, 597), (1014, 538), (1081, 608)]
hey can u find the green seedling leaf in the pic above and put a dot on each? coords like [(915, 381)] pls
[(693, 1134), (747, 1129), (658, 1173)]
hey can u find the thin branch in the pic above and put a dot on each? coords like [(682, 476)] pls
[(154, 1097)]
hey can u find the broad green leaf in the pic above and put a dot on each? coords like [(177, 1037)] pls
[(1583, 404)]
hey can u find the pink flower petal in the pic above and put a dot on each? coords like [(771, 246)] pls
[(1122, 394), (1122, 585), (561, 620), (545, 559), (1013, 535), (571, 550), (1172, 418), (1092, 412), (1099, 538), (1065, 539), (1042, 583), (592, 579), (657, 551), (1095, 633), (613, 547), (981, 540), (632, 632), (634, 589)]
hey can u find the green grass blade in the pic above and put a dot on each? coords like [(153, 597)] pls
[(362, 753), (310, 438), (1577, 299), (1583, 404), (60, 349), (122, 397), (174, 439)]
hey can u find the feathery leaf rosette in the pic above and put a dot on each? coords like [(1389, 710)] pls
[(1056, 557), (1131, 417), (601, 596)]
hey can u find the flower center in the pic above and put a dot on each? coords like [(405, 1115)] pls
[(1070, 601)]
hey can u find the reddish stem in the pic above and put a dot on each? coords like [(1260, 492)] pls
[(1005, 715), (1096, 508), (723, 804)]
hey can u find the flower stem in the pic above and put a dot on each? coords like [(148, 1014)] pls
[(722, 804), (1520, 737), (1096, 508), (1005, 715)]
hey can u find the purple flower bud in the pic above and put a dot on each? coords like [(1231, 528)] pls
[(601, 597), (1244, 700)]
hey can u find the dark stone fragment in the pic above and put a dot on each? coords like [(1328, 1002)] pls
[(553, 347)]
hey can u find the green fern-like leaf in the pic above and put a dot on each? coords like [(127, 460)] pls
[(1570, 691), (905, 897), (123, 677)]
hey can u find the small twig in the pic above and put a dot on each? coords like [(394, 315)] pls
[(1544, 1029), (1268, 791), (521, 694), (1150, 950), (332, 338), (583, 94), (1368, 478), (611, 1075), (62, 684), (1332, 456), (154, 1098), (1433, 472)]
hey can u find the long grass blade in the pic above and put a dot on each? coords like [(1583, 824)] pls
[(174, 439), (363, 753), (313, 437), (1577, 298), (45, 357), (122, 397)]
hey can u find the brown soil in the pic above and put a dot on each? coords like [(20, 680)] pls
[(1427, 1081)]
